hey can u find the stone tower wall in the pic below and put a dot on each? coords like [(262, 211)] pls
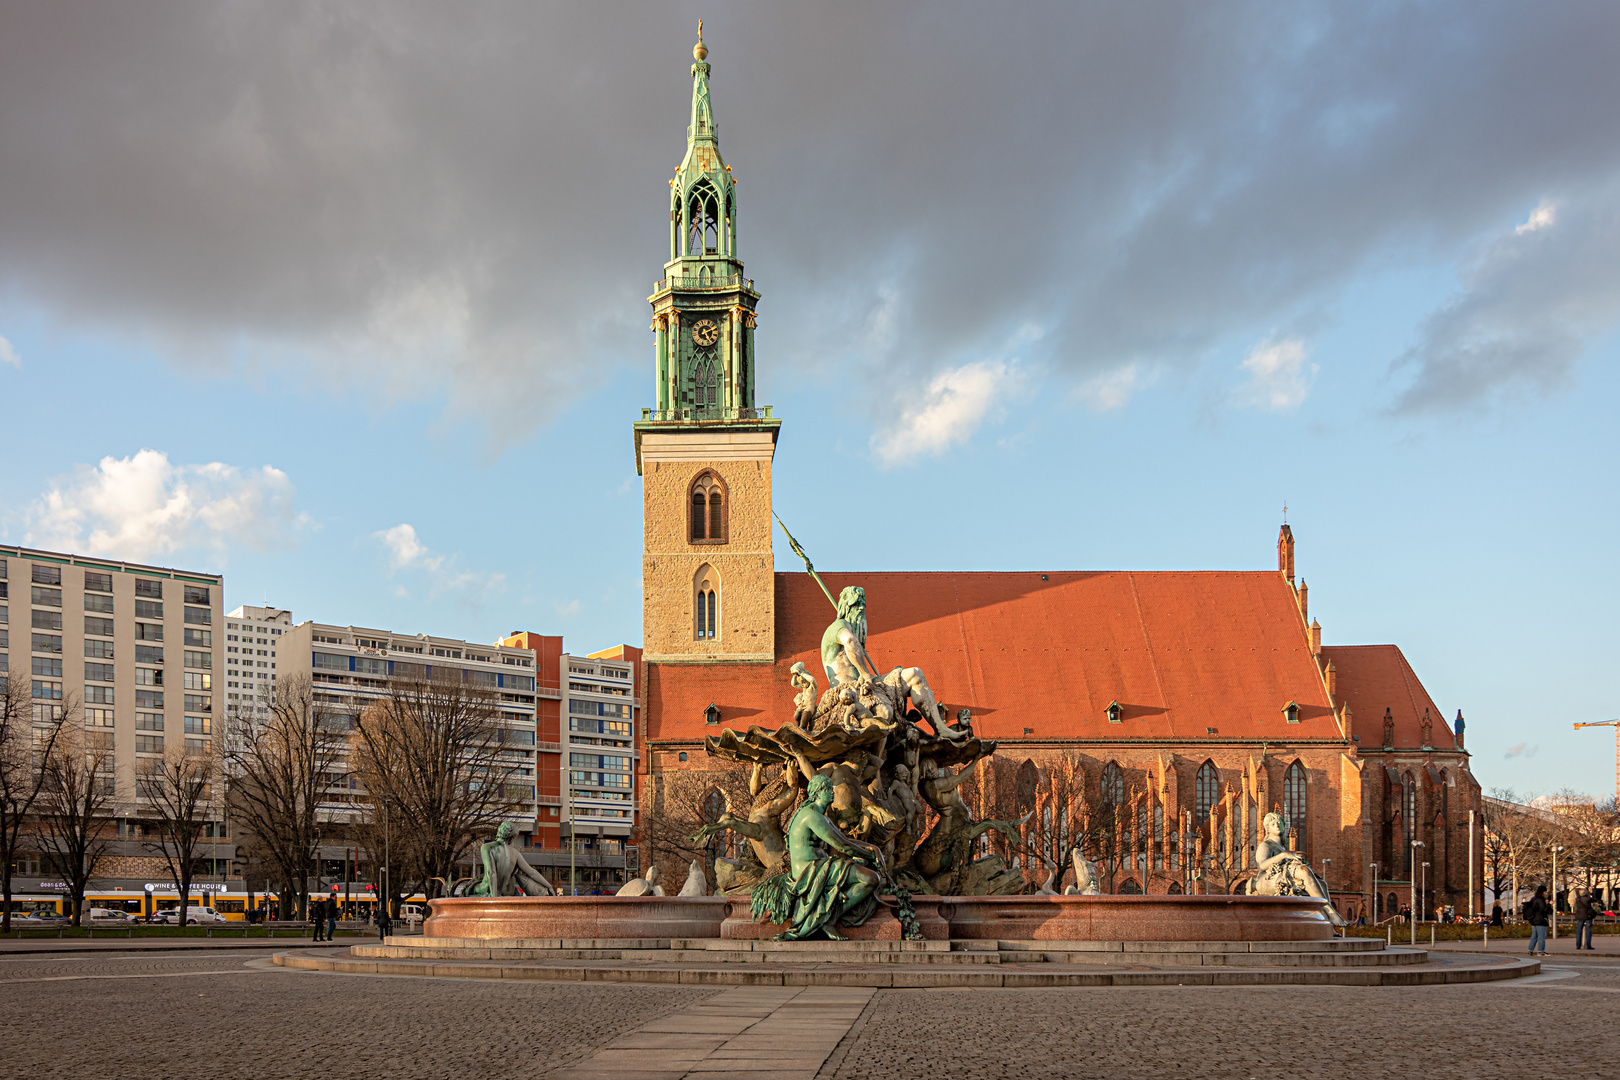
[(670, 559)]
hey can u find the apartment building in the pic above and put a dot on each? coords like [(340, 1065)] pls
[(251, 635), (136, 648), (350, 668), (586, 761)]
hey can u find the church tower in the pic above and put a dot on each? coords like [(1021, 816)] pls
[(705, 451)]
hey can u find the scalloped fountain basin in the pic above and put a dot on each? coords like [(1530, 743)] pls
[(1006, 918), (1136, 918), (576, 917)]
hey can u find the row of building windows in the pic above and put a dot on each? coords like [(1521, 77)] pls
[(596, 708), (616, 728), (96, 581), (99, 627), (598, 761)]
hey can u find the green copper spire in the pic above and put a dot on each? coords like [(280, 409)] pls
[(703, 197), (703, 308), (702, 125)]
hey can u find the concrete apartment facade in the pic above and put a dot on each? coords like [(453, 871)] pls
[(251, 636), (350, 667), (589, 711), (138, 648)]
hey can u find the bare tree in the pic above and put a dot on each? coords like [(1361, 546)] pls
[(178, 789), (1521, 833), (28, 735), (679, 803), (74, 811), (283, 764), (430, 755)]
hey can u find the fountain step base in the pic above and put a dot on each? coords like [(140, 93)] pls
[(958, 964), (1335, 953)]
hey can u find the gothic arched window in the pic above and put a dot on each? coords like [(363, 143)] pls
[(1208, 792), (1294, 802), (1144, 837), (706, 603), (1130, 888), (1409, 830), (703, 216), (707, 500), (706, 384), (713, 808), (1029, 778), (1113, 785)]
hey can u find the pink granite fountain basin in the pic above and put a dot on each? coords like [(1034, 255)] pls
[(576, 917), (884, 925), (1136, 918), (1005, 918)]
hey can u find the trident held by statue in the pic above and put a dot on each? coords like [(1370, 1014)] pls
[(799, 551)]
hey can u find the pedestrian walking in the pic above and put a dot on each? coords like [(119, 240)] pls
[(383, 922), (331, 918), (1584, 915), (317, 915), (1496, 914), (1536, 913)]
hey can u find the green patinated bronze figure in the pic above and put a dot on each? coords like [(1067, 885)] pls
[(505, 871), (824, 887)]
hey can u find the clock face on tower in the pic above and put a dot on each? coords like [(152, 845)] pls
[(705, 333)]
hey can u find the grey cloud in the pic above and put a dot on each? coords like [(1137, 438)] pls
[(437, 200), (1531, 300)]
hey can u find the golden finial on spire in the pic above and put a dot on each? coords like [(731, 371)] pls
[(700, 51)]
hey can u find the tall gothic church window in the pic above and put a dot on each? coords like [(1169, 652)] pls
[(1113, 785), (1294, 802), (1208, 791)]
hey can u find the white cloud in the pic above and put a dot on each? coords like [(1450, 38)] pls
[(950, 411), (406, 553), (1113, 389), (573, 607), (1278, 378), (8, 355), (144, 507), (1522, 750), (1545, 214)]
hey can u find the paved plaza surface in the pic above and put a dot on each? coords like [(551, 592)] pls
[(229, 1013)]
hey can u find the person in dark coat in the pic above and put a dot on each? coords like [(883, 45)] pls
[(1584, 916), (317, 915), (1536, 913), (384, 924)]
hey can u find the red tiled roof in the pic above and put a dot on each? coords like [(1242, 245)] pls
[(1182, 652), (1373, 678)]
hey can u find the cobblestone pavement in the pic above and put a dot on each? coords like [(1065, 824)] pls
[(227, 1015), (214, 1016), (1548, 1026)]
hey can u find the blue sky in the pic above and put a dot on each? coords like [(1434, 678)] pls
[(353, 309)]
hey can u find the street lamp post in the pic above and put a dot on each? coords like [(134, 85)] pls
[(1372, 906), (1423, 892), (1412, 887), (1554, 920), (1470, 866)]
